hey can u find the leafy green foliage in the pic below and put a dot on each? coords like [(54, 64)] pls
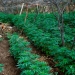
[(6, 17), (17, 45), (1, 67), (30, 65), (43, 32), (49, 42), (27, 61)]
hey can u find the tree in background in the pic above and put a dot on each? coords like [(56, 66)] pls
[(58, 8)]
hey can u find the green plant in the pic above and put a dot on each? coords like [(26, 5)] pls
[(1, 67), (47, 37), (17, 45), (30, 65), (27, 61), (49, 44)]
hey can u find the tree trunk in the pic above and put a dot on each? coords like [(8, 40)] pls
[(73, 43), (61, 24), (62, 35)]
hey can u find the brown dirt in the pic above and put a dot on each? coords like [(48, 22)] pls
[(8, 61)]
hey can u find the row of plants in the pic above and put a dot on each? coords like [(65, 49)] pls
[(4, 17), (27, 61), (65, 57), (48, 23)]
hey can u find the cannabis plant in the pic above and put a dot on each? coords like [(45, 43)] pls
[(1, 68)]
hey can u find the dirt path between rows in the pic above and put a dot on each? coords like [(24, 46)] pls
[(8, 61)]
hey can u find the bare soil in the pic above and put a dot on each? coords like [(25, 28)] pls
[(10, 67)]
